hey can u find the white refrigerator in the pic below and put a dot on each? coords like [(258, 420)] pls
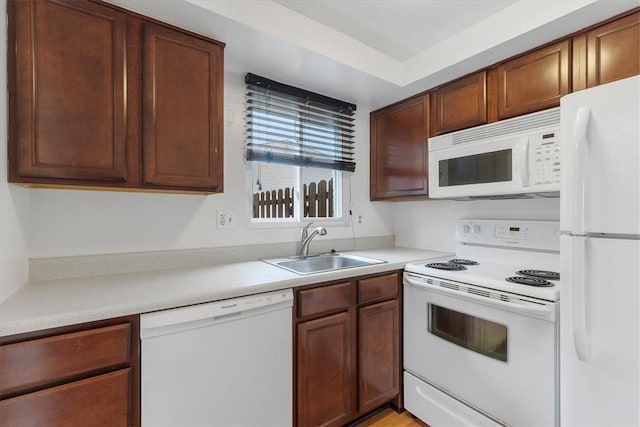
[(600, 253)]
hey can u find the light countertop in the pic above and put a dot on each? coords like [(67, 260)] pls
[(54, 303)]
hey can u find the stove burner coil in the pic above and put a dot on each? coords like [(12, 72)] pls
[(540, 274), (529, 281), (462, 261), (446, 266)]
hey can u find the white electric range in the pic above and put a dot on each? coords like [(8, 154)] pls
[(480, 328)]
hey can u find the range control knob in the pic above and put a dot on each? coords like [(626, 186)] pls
[(476, 229), (466, 229)]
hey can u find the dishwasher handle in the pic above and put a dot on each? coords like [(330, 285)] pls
[(201, 315)]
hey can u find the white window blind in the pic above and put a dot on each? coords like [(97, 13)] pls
[(288, 125)]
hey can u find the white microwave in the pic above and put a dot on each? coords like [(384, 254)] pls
[(513, 158)]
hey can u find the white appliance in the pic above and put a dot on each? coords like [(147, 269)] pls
[(519, 157), (480, 349), (226, 363), (600, 248)]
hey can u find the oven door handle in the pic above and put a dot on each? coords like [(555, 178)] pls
[(543, 311)]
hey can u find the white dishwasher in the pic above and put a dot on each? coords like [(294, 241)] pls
[(226, 363)]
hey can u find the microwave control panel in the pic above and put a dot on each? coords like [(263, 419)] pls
[(545, 150)]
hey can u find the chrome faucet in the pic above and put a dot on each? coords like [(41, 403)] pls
[(306, 238)]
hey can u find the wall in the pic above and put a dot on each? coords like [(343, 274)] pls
[(71, 222), (431, 224), (14, 201)]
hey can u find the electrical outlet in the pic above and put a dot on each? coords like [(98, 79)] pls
[(359, 218), (226, 218)]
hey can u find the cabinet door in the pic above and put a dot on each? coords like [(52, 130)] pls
[(461, 104), (68, 106), (103, 400), (326, 376), (534, 81), (379, 354), (399, 150), (613, 51), (182, 110)]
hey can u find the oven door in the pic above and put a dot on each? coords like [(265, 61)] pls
[(492, 167), (497, 356)]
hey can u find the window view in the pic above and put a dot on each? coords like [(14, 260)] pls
[(298, 145), (290, 192), (482, 336)]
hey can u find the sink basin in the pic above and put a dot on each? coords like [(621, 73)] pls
[(321, 263)]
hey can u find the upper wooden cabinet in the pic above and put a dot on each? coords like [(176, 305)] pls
[(182, 109), (607, 53), (460, 104), (534, 81), (398, 149), (101, 97), (68, 103)]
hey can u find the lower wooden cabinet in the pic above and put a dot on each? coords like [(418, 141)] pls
[(100, 400), (348, 357), (379, 355), (79, 375), (326, 354)]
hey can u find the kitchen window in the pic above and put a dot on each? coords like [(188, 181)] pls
[(299, 147)]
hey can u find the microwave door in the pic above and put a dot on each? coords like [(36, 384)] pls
[(480, 169)]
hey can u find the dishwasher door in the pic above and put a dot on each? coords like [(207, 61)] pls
[(227, 363)]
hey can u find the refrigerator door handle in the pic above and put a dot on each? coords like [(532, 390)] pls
[(579, 309), (580, 146)]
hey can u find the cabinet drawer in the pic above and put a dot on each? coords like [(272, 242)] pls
[(377, 288), (101, 400), (43, 361), (327, 298)]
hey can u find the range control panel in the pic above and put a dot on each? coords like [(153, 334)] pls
[(545, 162), (503, 231), (527, 234)]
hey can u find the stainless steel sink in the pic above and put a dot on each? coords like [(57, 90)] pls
[(321, 263)]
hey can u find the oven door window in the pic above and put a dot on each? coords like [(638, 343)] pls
[(476, 169), (482, 336)]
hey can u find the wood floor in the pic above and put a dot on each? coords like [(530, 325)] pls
[(390, 418)]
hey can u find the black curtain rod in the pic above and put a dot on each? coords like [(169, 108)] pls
[(291, 90)]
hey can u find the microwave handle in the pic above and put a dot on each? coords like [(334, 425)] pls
[(523, 148)]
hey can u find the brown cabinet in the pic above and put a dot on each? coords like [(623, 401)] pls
[(534, 81), (607, 53), (379, 354), (326, 359), (182, 110), (102, 97), (78, 375), (69, 95), (398, 149), (348, 349), (460, 104)]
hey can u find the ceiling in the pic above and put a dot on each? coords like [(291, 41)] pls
[(374, 52), (400, 29)]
